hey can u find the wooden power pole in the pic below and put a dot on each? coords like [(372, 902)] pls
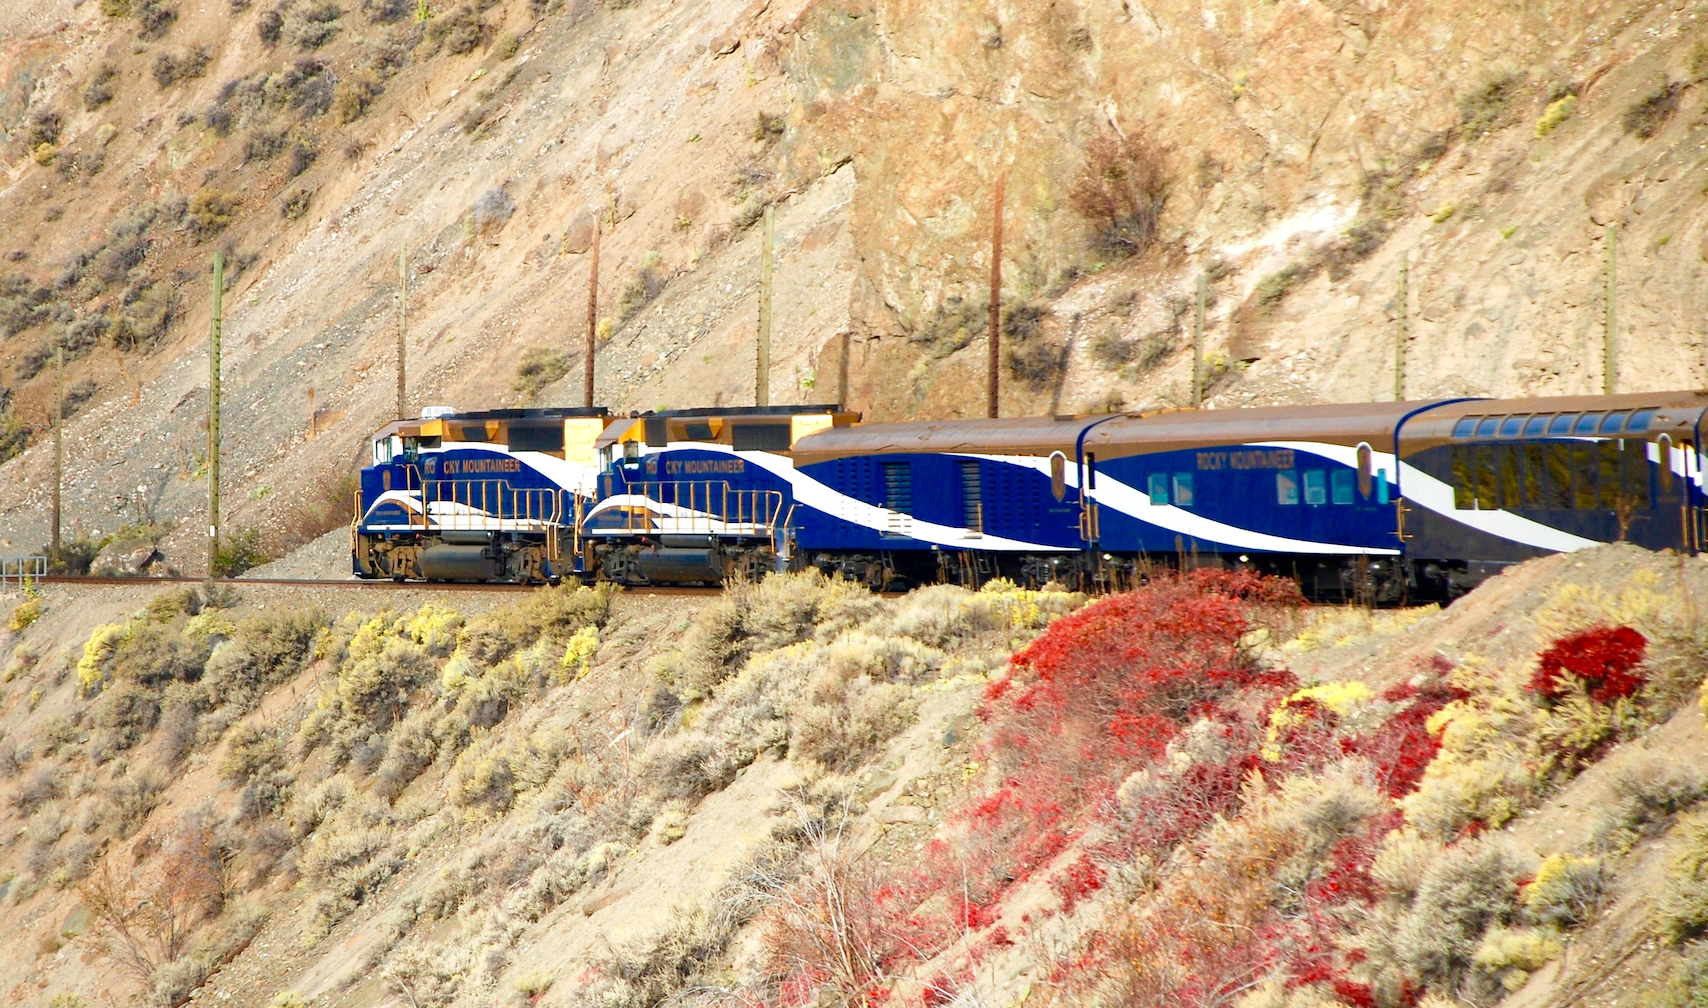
[(213, 409), (1610, 344), (993, 379), (762, 361), (58, 440), (402, 323), (1198, 341), (592, 316), (1401, 337)]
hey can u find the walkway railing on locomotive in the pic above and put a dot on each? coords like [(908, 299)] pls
[(22, 569), (703, 508), (488, 506)]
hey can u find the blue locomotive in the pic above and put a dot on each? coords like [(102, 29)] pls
[(1373, 500)]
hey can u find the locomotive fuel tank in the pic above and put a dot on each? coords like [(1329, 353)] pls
[(460, 563)]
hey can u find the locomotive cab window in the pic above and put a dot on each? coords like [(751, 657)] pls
[(631, 453)]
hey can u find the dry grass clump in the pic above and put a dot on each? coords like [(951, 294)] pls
[(1487, 106), (1121, 190), (1682, 912), (1648, 114), (816, 668), (539, 367), (1441, 900), (1648, 796)]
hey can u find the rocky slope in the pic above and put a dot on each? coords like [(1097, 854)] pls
[(1292, 151)]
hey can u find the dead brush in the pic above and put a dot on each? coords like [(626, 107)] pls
[(1120, 190)]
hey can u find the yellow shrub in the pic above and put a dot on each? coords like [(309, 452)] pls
[(97, 651), (27, 612), (1513, 953), (578, 655)]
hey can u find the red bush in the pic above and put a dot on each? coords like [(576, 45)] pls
[(1605, 659), (1077, 881)]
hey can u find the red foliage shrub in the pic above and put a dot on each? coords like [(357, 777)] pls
[(1605, 659), (1077, 881)]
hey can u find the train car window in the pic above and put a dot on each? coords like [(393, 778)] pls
[(699, 431), (1381, 486), (1634, 460), (1640, 421), (1535, 426), (1316, 487), (1159, 488), (1561, 424), (1464, 479), (972, 498), (1341, 482), (1556, 476), (1485, 466), (1586, 423), (1583, 478), (1612, 423), (1509, 467), (1287, 487), (1058, 475), (1511, 426), (1533, 475), (1364, 471), (1183, 490), (1465, 427), (1607, 460), (760, 437), (1487, 427)]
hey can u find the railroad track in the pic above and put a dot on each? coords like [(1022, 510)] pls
[(92, 581)]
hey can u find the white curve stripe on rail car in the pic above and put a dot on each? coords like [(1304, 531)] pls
[(1131, 501), (1426, 491), (816, 495)]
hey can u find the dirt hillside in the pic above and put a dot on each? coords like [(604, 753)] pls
[(1292, 151), (798, 793)]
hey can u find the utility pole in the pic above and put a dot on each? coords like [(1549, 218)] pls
[(402, 322), (58, 440), (993, 365), (1610, 347), (1198, 342), (213, 409), (1402, 335), (762, 378), (592, 316)]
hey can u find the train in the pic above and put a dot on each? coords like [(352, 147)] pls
[(1378, 502)]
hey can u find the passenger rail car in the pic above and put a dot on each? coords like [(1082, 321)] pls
[(1374, 500)]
